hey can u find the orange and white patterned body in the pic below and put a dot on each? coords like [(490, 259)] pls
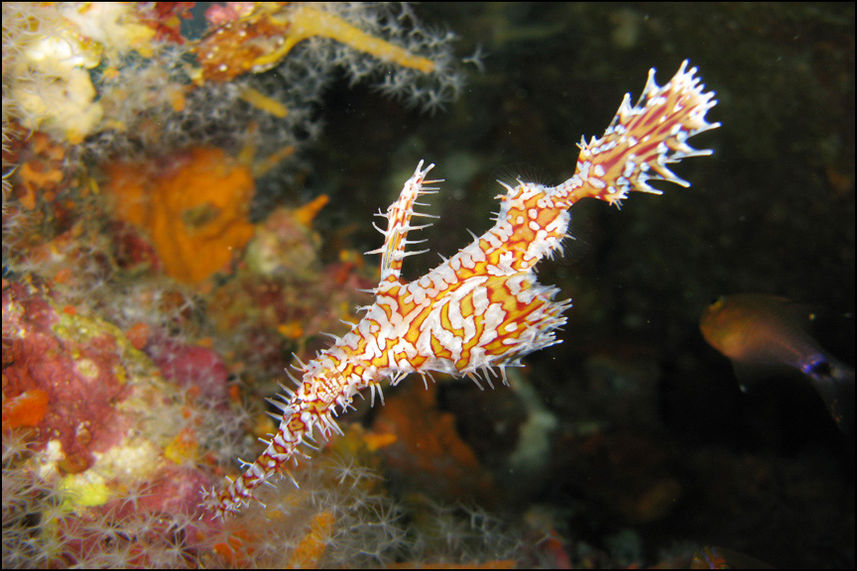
[(482, 309)]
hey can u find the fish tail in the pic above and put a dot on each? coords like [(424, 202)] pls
[(239, 491), (834, 381), (299, 418)]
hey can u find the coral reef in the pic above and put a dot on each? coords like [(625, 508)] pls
[(123, 76), (91, 436), (130, 171), (627, 445), (47, 54)]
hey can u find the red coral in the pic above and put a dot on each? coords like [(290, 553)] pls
[(165, 18), (174, 490), (73, 376), (191, 366), (26, 409), (132, 250)]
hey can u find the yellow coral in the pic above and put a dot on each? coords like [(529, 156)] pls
[(306, 213), (183, 447), (54, 46), (261, 101), (85, 490), (113, 25), (262, 38), (286, 244), (306, 22), (309, 551)]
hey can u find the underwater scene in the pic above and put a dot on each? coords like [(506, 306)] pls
[(307, 285)]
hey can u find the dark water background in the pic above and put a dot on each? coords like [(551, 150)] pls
[(772, 211)]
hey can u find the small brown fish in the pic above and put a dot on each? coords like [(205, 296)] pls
[(765, 330)]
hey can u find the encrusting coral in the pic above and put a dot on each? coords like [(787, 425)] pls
[(119, 392), (624, 446), (194, 208), (104, 72), (93, 437)]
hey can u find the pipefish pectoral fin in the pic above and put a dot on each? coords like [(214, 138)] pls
[(834, 381)]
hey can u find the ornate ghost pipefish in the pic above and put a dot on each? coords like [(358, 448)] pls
[(482, 309)]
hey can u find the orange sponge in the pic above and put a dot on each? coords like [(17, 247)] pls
[(194, 208)]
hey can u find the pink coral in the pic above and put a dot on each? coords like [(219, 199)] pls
[(74, 361), (191, 366)]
